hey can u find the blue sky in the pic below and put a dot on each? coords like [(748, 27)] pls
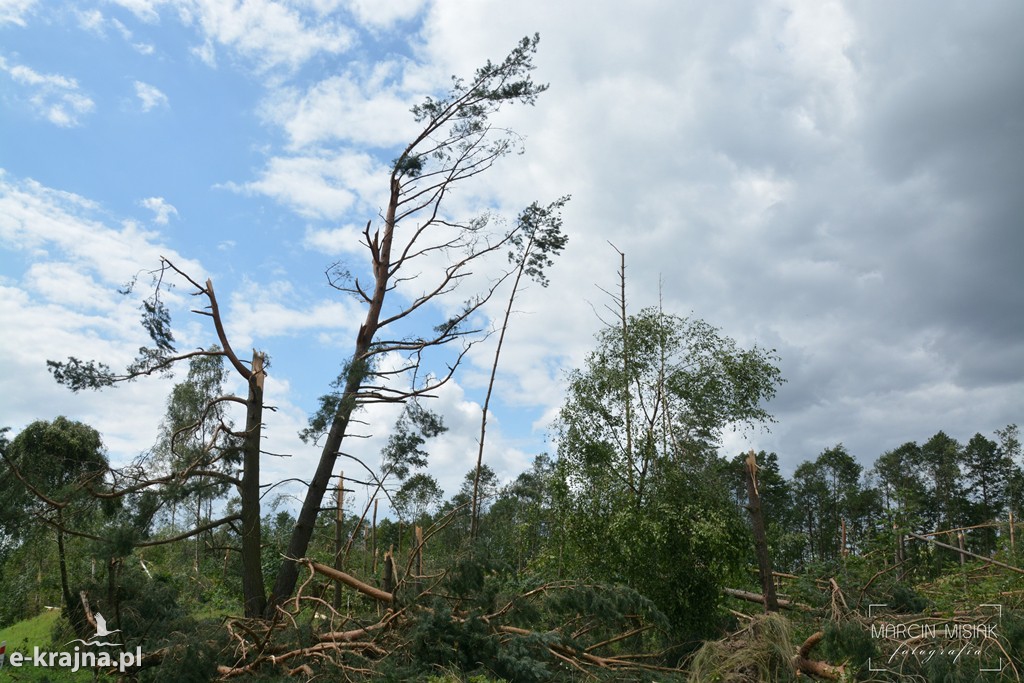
[(836, 181)]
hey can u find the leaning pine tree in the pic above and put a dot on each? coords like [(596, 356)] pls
[(456, 142)]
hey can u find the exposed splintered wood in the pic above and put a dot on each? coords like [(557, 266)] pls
[(339, 535), (419, 551), (252, 562), (388, 581), (1012, 545), (84, 597), (373, 536)]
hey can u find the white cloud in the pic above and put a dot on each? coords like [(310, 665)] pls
[(91, 20), (125, 32), (206, 53), (268, 33), (57, 98), (146, 10), (150, 96), (162, 210), (67, 303), (324, 186), (335, 241), (15, 11), (384, 15), (96, 19), (37, 220), (272, 34), (272, 309), (369, 110)]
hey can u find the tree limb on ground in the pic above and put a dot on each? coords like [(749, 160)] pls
[(802, 662), (759, 599)]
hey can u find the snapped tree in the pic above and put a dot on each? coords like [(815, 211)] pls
[(161, 358)]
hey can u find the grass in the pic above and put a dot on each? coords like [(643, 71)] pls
[(24, 637)]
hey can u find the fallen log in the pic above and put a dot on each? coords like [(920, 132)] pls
[(759, 599), (802, 661), (350, 581)]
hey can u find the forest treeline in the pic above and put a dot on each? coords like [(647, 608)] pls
[(633, 552), (611, 537), (964, 494)]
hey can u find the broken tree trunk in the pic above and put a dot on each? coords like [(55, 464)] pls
[(339, 536), (350, 581), (803, 663), (764, 563), (388, 581), (758, 598), (252, 537)]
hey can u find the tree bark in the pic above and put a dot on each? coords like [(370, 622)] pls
[(350, 581), (252, 537), (339, 536), (803, 663), (758, 598), (764, 562), (989, 560), (288, 573)]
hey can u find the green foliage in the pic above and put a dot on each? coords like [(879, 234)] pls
[(191, 656), (156, 320), (468, 104), (640, 500), (905, 600), (850, 643), (830, 492), (404, 449), (77, 374), (331, 403), (538, 237), (57, 459), (417, 496), (520, 523), (678, 550)]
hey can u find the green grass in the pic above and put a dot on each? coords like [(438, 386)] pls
[(24, 637), (35, 631)]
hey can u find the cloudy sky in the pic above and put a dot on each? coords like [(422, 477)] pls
[(839, 181)]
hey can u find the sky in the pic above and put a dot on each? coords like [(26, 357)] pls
[(841, 182)]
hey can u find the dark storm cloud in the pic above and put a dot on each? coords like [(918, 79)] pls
[(888, 271)]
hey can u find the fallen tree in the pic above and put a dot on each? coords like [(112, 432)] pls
[(309, 637)]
